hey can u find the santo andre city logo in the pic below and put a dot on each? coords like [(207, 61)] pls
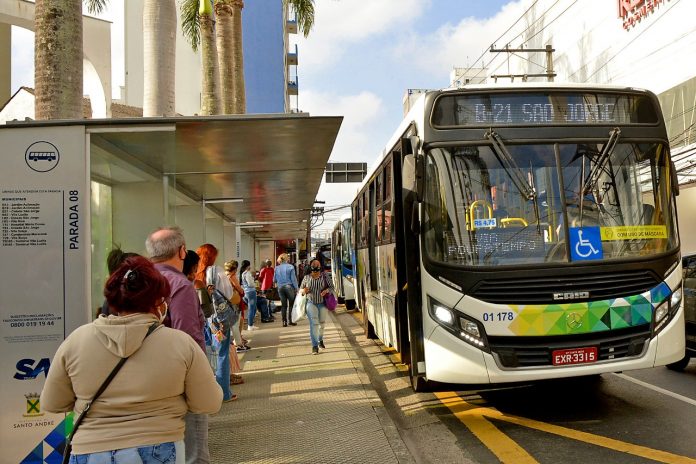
[(42, 156), (28, 369)]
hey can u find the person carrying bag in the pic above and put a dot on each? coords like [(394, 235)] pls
[(67, 451), (96, 374), (317, 288)]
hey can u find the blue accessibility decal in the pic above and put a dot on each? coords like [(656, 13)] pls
[(585, 243)]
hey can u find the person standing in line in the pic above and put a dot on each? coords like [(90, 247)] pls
[(140, 414), (315, 286), (286, 282), (215, 278), (266, 284), (249, 286), (113, 261), (231, 267), (167, 250)]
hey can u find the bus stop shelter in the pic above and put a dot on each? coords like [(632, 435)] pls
[(71, 190)]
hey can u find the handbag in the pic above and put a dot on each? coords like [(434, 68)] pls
[(68, 441), (225, 313), (329, 299), (299, 308)]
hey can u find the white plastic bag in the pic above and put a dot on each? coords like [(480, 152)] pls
[(299, 309)]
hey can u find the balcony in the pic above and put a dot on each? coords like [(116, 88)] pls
[(292, 86), (292, 57), (291, 26)]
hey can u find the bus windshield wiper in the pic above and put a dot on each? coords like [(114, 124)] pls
[(602, 158), (514, 172), (510, 166)]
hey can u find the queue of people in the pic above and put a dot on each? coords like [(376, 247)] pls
[(178, 319)]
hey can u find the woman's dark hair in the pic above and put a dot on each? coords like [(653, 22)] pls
[(135, 286), (116, 257), (245, 266), (190, 262)]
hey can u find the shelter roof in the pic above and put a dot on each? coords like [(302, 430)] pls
[(261, 172)]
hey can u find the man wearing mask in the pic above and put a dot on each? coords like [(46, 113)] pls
[(166, 248)]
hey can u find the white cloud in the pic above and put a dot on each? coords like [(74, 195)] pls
[(461, 44), (360, 113), (341, 24)]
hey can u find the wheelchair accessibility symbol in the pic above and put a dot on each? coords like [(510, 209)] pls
[(585, 243)]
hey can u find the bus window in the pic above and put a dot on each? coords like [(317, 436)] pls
[(379, 217), (387, 205)]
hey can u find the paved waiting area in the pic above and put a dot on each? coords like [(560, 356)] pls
[(295, 407)]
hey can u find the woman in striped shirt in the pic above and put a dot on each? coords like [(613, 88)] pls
[(316, 285)]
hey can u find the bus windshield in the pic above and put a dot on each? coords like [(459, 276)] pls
[(513, 204)]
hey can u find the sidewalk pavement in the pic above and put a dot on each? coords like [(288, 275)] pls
[(295, 407)]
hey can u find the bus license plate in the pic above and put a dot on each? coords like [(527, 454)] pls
[(574, 356)]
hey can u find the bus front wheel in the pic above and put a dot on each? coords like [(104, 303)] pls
[(679, 365), (418, 382)]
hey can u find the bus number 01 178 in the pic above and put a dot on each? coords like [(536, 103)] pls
[(499, 316)]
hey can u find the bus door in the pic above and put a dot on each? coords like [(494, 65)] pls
[(374, 302), (385, 257), (397, 234)]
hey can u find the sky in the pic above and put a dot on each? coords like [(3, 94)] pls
[(357, 62)]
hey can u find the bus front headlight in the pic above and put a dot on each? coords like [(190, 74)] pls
[(459, 324), (667, 310)]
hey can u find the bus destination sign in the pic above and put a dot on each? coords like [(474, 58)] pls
[(542, 108)]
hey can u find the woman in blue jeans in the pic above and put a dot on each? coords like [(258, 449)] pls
[(315, 286), (215, 279), (249, 286)]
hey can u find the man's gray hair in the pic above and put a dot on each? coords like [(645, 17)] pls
[(164, 243)]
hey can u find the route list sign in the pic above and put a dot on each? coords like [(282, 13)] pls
[(44, 251)]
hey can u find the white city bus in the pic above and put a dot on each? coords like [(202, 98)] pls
[(342, 261), (523, 232)]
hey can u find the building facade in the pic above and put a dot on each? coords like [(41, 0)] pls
[(269, 67)]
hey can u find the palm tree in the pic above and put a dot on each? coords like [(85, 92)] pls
[(198, 26), (228, 34), (57, 54), (159, 57), (228, 29)]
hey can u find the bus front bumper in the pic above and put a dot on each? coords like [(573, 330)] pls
[(448, 359)]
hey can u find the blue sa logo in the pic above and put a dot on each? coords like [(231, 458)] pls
[(28, 369)]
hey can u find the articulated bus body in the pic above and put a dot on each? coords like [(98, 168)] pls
[(343, 261), (521, 233)]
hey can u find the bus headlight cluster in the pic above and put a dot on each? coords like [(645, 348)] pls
[(461, 325), (667, 310)]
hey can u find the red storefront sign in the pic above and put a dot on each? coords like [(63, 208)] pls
[(633, 11)]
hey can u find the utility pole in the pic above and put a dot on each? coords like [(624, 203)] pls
[(549, 74)]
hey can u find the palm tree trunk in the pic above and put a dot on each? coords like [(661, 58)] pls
[(238, 63), (210, 92), (159, 57), (224, 34), (58, 59)]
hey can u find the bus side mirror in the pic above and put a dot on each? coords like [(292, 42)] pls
[(674, 179)]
